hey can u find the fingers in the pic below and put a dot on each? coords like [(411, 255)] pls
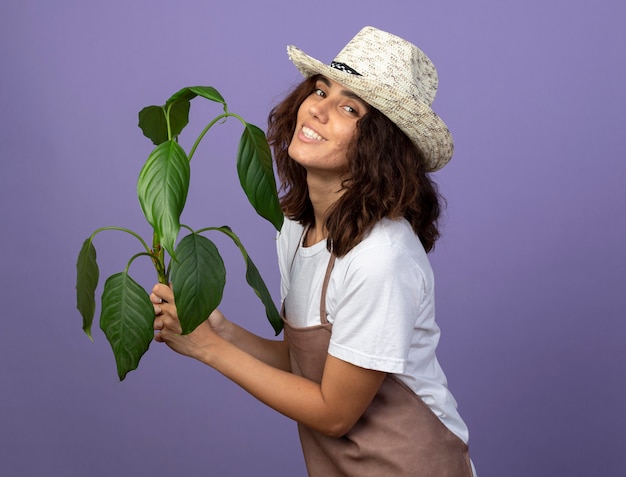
[(161, 293), (159, 328), (166, 323), (166, 320), (156, 302)]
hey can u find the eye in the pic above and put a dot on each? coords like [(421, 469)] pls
[(352, 110), (319, 92)]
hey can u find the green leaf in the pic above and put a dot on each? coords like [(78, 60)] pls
[(187, 94), (253, 277), (153, 119), (162, 190), (256, 175), (198, 280), (87, 274), (127, 319), (153, 122)]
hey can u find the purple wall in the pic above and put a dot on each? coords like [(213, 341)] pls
[(531, 271)]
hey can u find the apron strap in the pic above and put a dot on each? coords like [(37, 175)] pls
[(329, 269)]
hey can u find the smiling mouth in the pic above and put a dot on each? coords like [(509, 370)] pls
[(310, 134)]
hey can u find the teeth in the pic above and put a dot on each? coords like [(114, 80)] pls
[(309, 133)]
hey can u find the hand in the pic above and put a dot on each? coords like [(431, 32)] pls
[(168, 328)]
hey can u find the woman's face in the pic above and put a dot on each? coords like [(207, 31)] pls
[(326, 125)]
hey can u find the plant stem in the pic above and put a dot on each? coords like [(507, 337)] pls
[(156, 254), (122, 229), (167, 121), (158, 259), (132, 259), (209, 126)]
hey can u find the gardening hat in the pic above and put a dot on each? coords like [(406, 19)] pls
[(395, 77)]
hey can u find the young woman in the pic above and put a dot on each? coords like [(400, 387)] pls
[(353, 144)]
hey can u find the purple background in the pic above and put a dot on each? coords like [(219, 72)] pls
[(531, 270)]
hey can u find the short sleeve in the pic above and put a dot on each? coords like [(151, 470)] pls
[(286, 245), (379, 296)]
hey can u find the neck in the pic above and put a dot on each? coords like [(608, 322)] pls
[(323, 194)]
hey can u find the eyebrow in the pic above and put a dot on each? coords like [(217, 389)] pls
[(344, 92)]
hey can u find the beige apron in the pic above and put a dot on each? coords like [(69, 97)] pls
[(398, 435)]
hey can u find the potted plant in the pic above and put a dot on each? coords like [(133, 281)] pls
[(192, 265)]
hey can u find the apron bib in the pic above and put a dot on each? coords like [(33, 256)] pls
[(398, 435)]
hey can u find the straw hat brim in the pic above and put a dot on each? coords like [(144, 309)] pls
[(415, 118)]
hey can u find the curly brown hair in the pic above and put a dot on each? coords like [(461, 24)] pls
[(386, 177)]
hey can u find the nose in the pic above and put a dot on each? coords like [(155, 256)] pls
[(319, 110)]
